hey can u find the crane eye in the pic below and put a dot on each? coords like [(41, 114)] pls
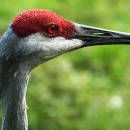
[(51, 29)]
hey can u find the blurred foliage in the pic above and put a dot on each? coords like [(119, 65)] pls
[(88, 89)]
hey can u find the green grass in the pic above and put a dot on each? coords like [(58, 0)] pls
[(75, 91)]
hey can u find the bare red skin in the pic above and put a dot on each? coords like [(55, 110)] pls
[(34, 21)]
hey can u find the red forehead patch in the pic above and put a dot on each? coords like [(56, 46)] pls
[(33, 21)]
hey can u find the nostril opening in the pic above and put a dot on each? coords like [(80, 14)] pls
[(102, 34)]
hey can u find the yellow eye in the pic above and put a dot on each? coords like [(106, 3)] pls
[(51, 29)]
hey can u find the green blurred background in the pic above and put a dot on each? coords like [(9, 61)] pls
[(88, 89)]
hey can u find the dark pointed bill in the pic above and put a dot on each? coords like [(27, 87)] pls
[(95, 36)]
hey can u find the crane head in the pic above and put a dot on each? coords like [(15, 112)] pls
[(44, 35)]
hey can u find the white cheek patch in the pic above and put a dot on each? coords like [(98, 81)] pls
[(61, 45), (51, 47), (58, 46)]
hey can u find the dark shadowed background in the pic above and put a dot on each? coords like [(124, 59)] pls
[(88, 89)]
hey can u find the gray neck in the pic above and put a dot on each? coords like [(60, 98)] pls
[(13, 99), (14, 77)]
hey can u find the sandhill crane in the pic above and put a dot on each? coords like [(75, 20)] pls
[(34, 37)]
